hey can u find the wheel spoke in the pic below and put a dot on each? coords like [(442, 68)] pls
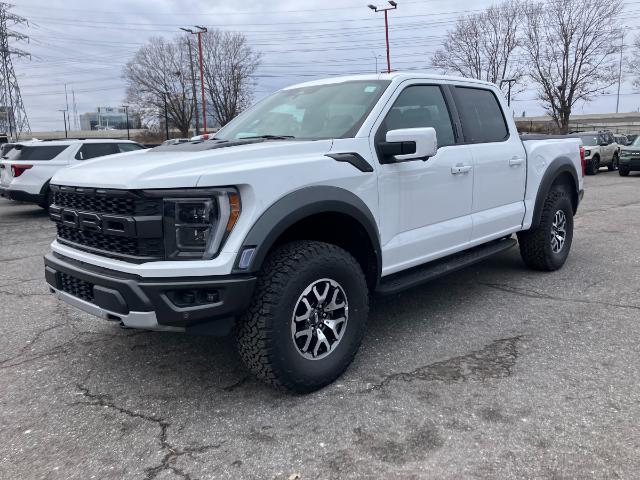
[(307, 314), (321, 297), (309, 333), (332, 304), (322, 340), (333, 325)]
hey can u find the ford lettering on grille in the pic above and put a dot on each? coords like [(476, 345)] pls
[(108, 224)]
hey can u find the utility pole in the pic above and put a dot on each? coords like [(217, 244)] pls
[(393, 6), (510, 81), (199, 32), (620, 73), (126, 112), (76, 124), (193, 84), (13, 117), (64, 117), (166, 116)]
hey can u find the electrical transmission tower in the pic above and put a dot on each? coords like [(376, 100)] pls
[(13, 117)]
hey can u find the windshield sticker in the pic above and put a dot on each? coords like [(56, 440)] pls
[(370, 88)]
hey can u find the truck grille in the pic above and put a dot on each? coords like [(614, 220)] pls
[(76, 287), (109, 222)]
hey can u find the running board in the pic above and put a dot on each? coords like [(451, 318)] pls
[(425, 273)]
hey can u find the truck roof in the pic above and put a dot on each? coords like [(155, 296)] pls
[(390, 77)]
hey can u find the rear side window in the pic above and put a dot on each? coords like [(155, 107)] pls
[(31, 153), (129, 147), (481, 116), (93, 150), (421, 106)]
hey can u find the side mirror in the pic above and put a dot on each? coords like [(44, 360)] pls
[(409, 144)]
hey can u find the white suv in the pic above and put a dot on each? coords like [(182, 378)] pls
[(600, 150), (26, 169)]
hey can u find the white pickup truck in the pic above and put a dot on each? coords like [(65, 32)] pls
[(286, 221)]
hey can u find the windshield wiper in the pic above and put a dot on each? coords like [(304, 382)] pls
[(271, 137)]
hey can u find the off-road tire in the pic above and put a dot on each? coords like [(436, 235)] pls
[(593, 166), (623, 172), (615, 161), (264, 331), (535, 244)]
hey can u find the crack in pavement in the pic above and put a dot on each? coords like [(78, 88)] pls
[(172, 453), (495, 360), (530, 293), (238, 384)]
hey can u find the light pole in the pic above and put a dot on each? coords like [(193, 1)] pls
[(166, 115), (620, 73), (393, 6), (126, 112), (376, 56), (199, 32), (193, 83), (64, 117), (510, 81)]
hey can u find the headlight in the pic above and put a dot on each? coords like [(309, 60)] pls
[(198, 221), (587, 153)]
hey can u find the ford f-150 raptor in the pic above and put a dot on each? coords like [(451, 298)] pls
[(286, 221)]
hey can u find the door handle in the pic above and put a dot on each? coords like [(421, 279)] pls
[(458, 169), (515, 161)]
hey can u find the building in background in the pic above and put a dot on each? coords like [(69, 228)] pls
[(624, 123), (109, 118)]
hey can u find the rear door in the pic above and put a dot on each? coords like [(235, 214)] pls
[(499, 162)]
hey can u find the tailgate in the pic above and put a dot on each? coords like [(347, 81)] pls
[(5, 173)]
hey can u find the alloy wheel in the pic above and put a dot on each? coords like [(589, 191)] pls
[(558, 231)]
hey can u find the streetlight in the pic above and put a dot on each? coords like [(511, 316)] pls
[(64, 117), (193, 83), (126, 111), (166, 115), (200, 31), (510, 81), (393, 6), (376, 56)]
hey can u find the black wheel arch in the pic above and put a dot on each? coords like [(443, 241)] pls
[(305, 203), (561, 171)]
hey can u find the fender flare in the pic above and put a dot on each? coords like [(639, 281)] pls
[(301, 204), (555, 169)]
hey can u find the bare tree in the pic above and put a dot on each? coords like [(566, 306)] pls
[(633, 62), (229, 63), (160, 72), (483, 46), (569, 45)]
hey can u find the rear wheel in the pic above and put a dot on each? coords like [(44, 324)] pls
[(547, 246), (307, 317), (614, 163)]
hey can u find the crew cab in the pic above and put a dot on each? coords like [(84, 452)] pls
[(298, 210), (26, 169)]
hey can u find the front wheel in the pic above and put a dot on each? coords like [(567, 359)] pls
[(547, 246), (623, 172), (48, 200), (593, 166), (307, 318)]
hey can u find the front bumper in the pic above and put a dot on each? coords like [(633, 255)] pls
[(21, 196), (630, 163), (145, 302)]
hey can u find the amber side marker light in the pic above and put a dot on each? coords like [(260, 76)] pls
[(234, 210)]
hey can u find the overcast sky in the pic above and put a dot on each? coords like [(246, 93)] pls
[(85, 44)]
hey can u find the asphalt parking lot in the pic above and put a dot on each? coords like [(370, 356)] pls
[(493, 372)]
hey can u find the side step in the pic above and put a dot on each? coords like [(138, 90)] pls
[(425, 273)]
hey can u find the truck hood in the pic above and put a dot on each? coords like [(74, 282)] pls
[(166, 167), (631, 150)]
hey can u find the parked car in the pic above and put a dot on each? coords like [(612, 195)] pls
[(315, 197), (600, 150), (5, 148), (631, 139), (621, 140), (630, 158), (25, 171), (175, 141)]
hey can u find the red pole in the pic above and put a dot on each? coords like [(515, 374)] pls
[(386, 29), (204, 104)]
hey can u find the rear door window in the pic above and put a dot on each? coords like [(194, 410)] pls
[(34, 153), (93, 150), (481, 115)]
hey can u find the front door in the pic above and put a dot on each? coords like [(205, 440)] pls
[(425, 206)]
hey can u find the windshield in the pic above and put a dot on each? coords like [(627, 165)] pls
[(589, 140), (41, 152), (310, 113), (636, 142)]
